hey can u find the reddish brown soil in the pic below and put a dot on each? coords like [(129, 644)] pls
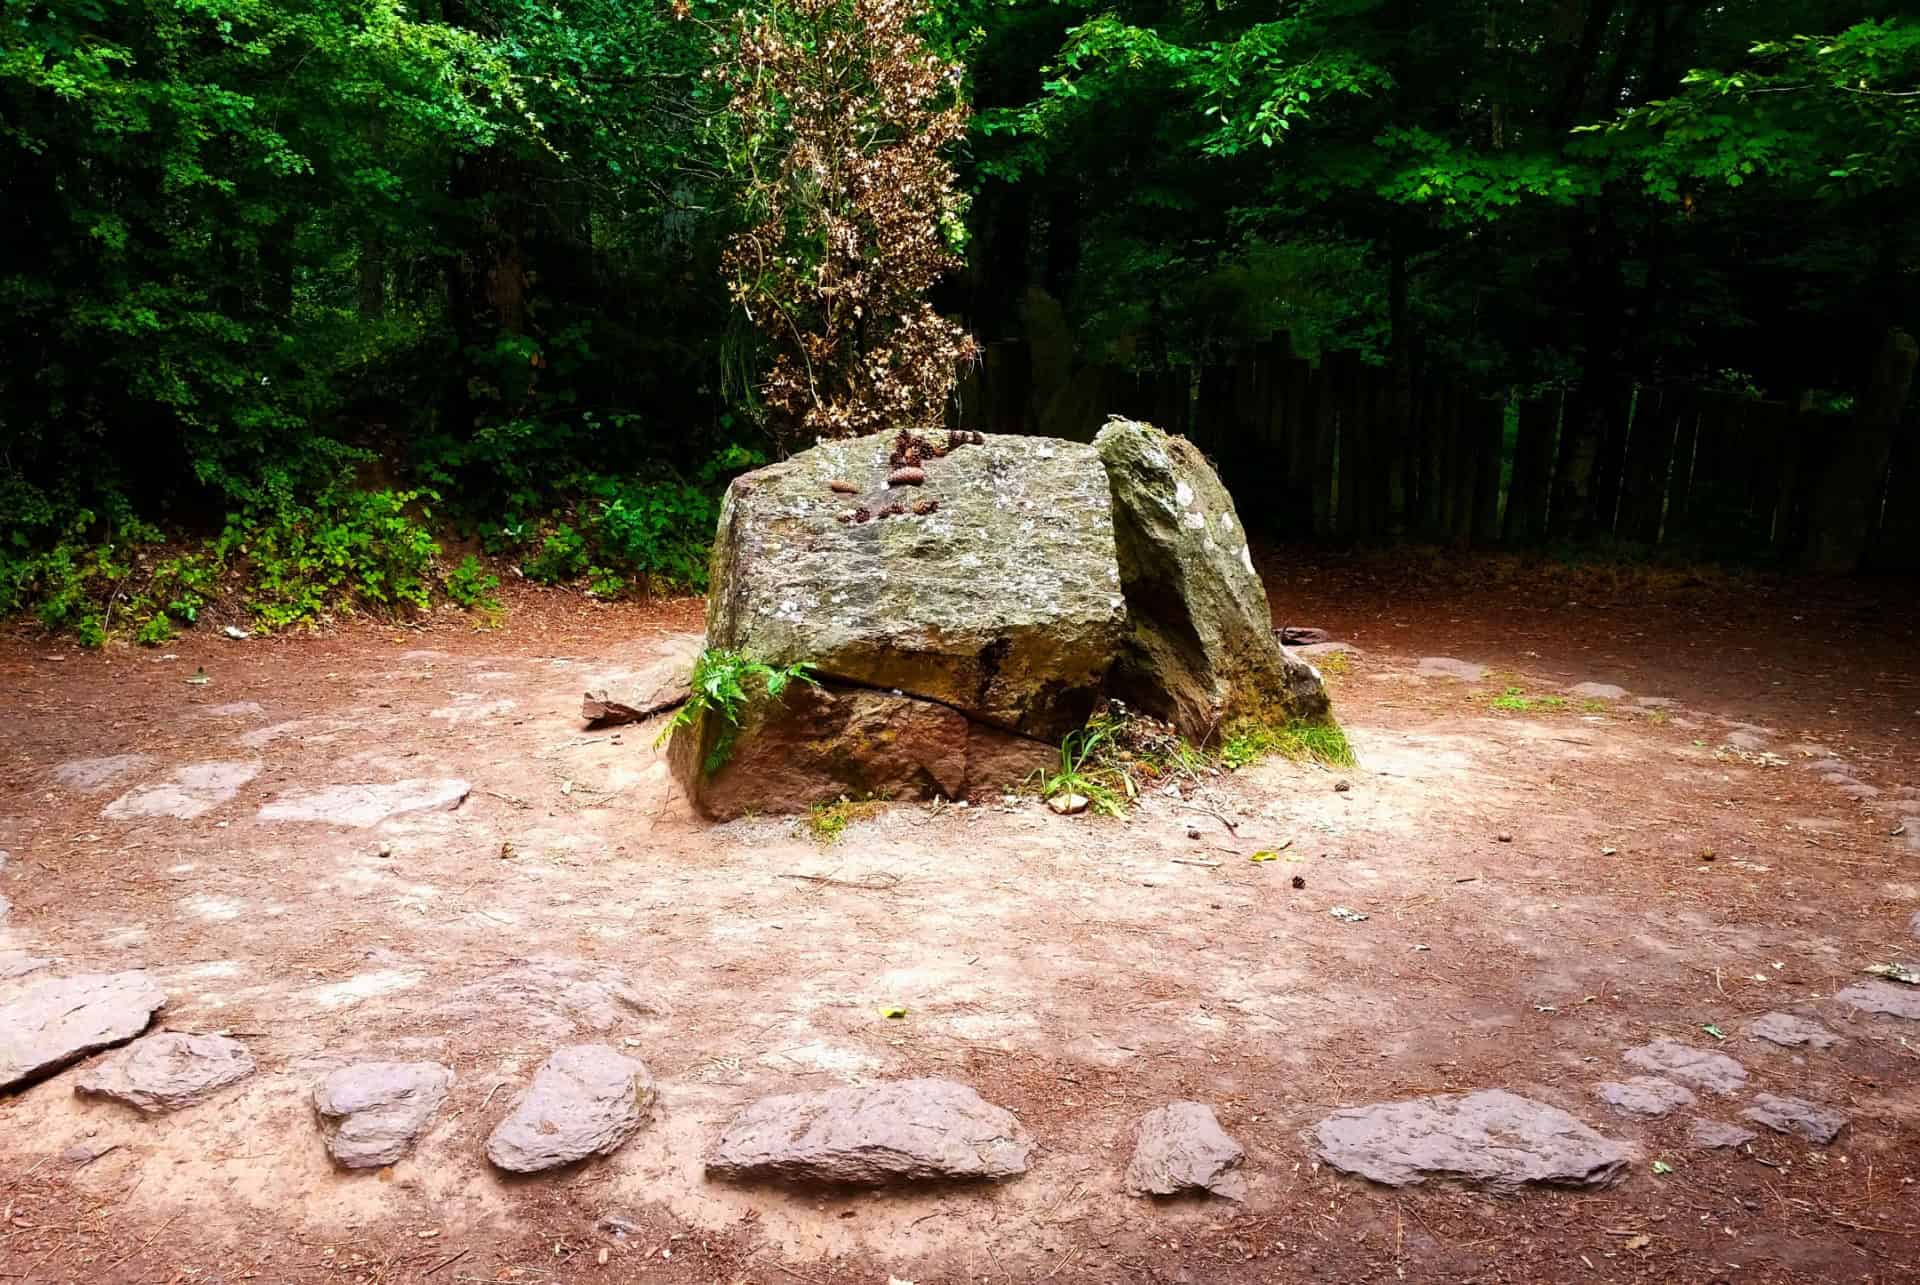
[(1658, 880)]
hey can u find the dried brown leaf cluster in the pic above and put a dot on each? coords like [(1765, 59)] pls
[(847, 117)]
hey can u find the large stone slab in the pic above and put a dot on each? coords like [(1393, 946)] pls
[(191, 791), (168, 1071), (367, 805), (62, 1019), (819, 743), (584, 1101), (1181, 1147), (1809, 1120), (901, 1131), (1492, 1139), (371, 1113), (1003, 602), (1702, 1068), (1200, 647)]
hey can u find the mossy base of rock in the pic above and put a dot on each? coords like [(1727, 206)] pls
[(819, 743)]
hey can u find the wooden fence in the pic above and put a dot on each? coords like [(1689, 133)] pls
[(1324, 450)]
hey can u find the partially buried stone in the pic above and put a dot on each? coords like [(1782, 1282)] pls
[(1789, 1031), (64, 1018), (869, 1136), (1712, 1135), (1701, 1068), (1796, 1115), (168, 1071), (584, 1101), (1644, 1095), (1493, 1139), (1886, 998), (371, 1113), (1181, 1147)]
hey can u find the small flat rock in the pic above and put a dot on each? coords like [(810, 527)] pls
[(1493, 1139), (1702, 1068), (902, 1131), (189, 792), (1181, 1147), (367, 805), (1913, 926), (168, 1071), (584, 1101), (1910, 832), (1712, 1135), (1466, 671), (1790, 1032), (1654, 702), (1644, 1095), (89, 775), (1597, 691), (1889, 998), (1334, 648), (64, 1018), (1746, 741), (654, 688), (1796, 1115), (371, 1112), (548, 996)]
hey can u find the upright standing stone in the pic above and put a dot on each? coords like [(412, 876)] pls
[(1201, 652)]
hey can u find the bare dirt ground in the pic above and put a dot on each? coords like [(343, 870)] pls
[(1670, 867)]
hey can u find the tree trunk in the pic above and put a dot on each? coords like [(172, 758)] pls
[(1845, 505), (1526, 521)]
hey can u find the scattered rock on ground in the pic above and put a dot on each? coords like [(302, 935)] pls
[(1466, 671), (61, 1019), (901, 1131), (584, 1101), (191, 791), (1712, 1135), (1314, 650), (1180, 1147), (1644, 1095), (1913, 926), (1200, 650), (1789, 1031), (168, 1071), (367, 805), (1746, 741), (654, 688), (1889, 998), (1597, 691), (1068, 804), (372, 1112), (89, 775), (1796, 1115), (1702, 1068), (1493, 1138)]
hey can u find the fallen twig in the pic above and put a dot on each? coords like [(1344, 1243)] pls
[(1195, 861), (892, 882), (445, 1262)]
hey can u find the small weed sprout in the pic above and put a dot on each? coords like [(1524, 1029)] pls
[(826, 822)]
